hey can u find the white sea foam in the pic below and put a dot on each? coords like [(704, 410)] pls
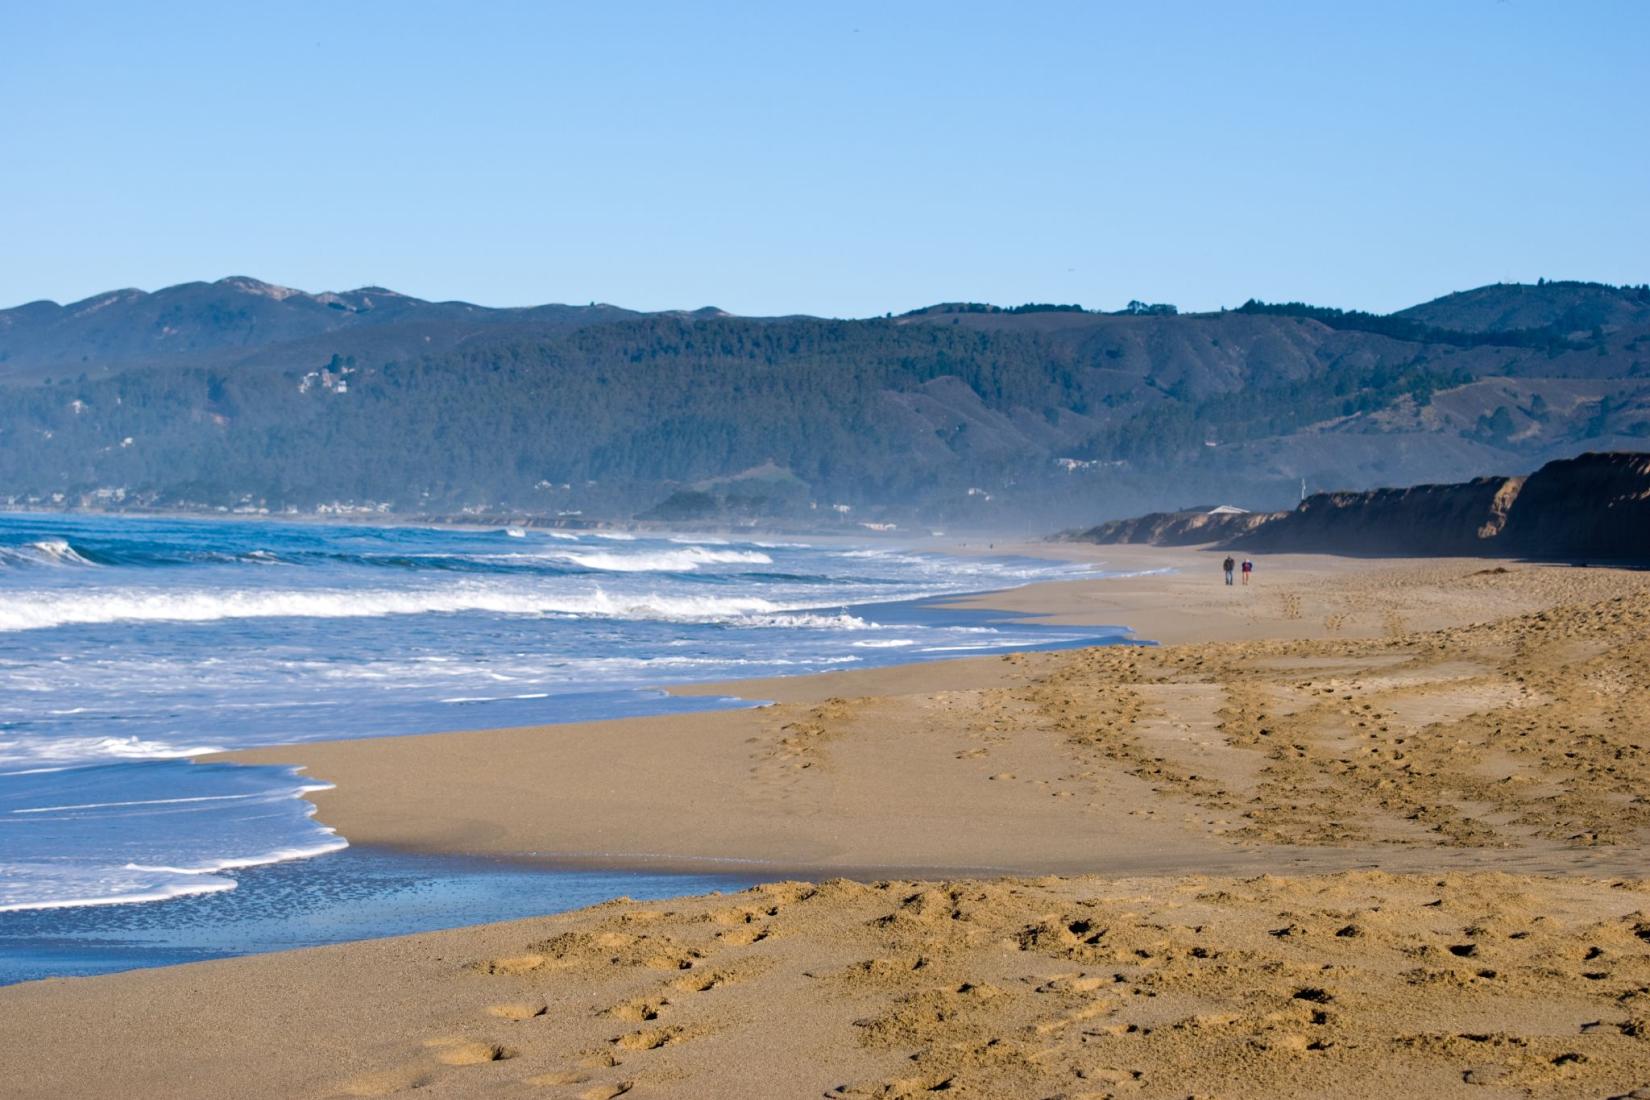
[(41, 610), (55, 886), (134, 802), (235, 863), (62, 884), (146, 851), (971, 646), (808, 620), (43, 552), (60, 751), (664, 561), (609, 670)]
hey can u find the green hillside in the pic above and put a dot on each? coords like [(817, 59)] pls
[(237, 394)]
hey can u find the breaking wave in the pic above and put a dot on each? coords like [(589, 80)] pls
[(44, 552), (43, 610), (102, 835), (664, 561), (64, 751)]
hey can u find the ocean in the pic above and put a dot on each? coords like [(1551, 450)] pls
[(128, 646)]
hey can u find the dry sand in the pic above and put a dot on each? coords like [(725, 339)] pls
[(1364, 828)]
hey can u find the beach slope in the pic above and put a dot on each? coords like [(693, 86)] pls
[(1386, 825)]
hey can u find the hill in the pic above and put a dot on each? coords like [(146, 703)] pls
[(241, 321), (242, 395), (1567, 307)]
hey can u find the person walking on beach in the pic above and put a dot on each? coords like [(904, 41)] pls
[(1248, 567), (1227, 565)]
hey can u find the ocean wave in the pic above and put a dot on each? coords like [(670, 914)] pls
[(976, 646), (64, 884), (68, 751), (564, 674), (44, 610), (663, 561), (106, 835), (52, 885), (808, 619), (60, 552), (236, 863), (46, 552)]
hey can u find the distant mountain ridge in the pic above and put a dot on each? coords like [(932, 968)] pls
[(241, 394), (240, 319), (1567, 306)]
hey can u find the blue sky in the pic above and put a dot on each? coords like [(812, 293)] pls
[(842, 159)]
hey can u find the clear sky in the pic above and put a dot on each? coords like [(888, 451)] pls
[(841, 159)]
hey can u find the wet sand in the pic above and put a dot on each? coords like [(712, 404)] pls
[(1362, 822)]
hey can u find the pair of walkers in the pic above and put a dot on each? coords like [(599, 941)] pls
[(1229, 564)]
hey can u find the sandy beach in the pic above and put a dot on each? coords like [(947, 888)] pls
[(1360, 826)]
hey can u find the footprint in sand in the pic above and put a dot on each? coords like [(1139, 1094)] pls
[(702, 983), (606, 1092), (515, 964), (1074, 983), (639, 1009), (386, 1081), (463, 1052), (518, 1010), (742, 937), (651, 1039)]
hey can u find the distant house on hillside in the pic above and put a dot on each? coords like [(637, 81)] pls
[(1228, 510)]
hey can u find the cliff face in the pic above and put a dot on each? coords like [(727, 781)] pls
[(1425, 519), (1592, 507), (1175, 528)]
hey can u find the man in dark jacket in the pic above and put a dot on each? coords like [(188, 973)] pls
[(1227, 565)]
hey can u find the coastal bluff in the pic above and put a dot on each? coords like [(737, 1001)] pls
[(1593, 506)]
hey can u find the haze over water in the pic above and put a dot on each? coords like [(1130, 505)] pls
[(129, 645)]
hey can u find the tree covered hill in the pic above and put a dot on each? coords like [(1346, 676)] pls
[(240, 394)]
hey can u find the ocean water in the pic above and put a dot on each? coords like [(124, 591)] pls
[(356, 893), (129, 646)]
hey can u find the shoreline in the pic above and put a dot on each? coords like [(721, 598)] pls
[(542, 657), (1393, 812), (552, 793)]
